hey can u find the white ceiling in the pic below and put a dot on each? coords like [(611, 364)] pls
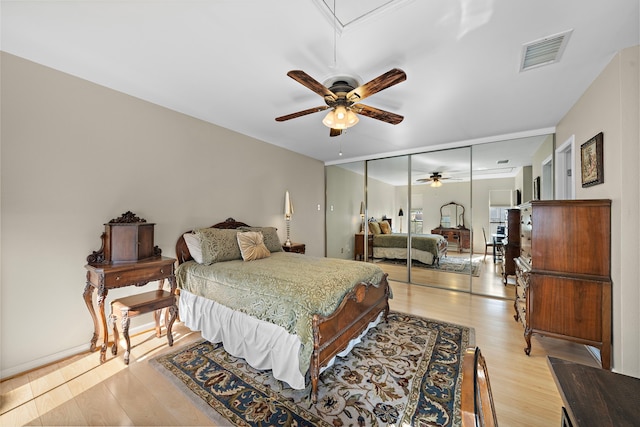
[(225, 62)]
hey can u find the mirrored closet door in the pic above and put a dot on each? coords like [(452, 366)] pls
[(458, 196), (386, 203), (440, 219)]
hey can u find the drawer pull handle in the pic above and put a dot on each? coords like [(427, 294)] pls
[(162, 271), (117, 277)]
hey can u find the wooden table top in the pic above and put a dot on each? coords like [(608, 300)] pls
[(596, 397)]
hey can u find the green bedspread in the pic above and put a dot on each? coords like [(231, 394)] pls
[(285, 289), (423, 242)]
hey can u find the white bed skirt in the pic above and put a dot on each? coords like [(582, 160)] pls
[(262, 344), (401, 253)]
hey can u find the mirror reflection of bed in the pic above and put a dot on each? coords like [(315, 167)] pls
[(427, 249), (390, 183), (442, 258)]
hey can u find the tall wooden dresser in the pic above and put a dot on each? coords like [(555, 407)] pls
[(564, 272), (511, 244)]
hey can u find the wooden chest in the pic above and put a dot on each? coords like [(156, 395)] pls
[(564, 272), (126, 239), (128, 242)]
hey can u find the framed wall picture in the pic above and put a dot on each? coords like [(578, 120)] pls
[(592, 167)]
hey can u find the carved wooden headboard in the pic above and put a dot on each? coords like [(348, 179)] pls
[(182, 251)]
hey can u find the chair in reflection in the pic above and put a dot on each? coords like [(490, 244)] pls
[(488, 244)]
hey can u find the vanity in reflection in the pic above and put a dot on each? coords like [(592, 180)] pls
[(457, 235)]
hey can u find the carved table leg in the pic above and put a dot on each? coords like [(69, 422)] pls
[(173, 311), (125, 333), (527, 337), (157, 314), (114, 319), (102, 297), (88, 299)]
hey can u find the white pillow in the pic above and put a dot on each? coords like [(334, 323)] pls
[(193, 243)]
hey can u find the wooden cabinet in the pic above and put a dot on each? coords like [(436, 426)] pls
[(564, 272), (458, 237), (358, 250), (511, 249), (125, 239)]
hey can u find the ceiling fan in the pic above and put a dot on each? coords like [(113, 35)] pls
[(344, 99), (435, 179)]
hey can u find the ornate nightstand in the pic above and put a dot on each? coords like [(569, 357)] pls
[(297, 248), (358, 251)]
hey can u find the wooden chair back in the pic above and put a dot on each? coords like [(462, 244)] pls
[(477, 405), (486, 241)]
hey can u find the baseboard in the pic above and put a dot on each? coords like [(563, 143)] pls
[(56, 357)]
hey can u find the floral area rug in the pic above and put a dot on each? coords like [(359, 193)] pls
[(447, 264), (406, 371)]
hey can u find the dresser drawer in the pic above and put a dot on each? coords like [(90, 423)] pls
[(115, 279)]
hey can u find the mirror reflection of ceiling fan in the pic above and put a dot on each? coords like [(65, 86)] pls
[(435, 179), (343, 98)]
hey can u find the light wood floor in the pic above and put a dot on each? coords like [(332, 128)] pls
[(80, 391)]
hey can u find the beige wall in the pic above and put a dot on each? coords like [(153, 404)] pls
[(75, 155), (345, 193), (610, 106)]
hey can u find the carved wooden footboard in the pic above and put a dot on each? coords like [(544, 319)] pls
[(331, 334)]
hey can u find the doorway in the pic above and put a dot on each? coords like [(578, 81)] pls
[(565, 176)]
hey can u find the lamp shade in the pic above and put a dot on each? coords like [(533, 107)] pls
[(362, 209), (340, 118), (288, 205), (400, 213)]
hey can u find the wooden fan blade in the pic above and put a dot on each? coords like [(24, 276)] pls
[(388, 79), (335, 132), (377, 114), (311, 83), (301, 113)]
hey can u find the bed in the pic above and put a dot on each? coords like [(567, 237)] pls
[(246, 305), (426, 248)]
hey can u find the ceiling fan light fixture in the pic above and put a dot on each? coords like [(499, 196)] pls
[(340, 118), (436, 183)]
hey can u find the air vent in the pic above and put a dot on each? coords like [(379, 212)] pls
[(545, 51), (502, 162)]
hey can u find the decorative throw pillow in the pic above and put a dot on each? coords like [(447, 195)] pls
[(385, 227), (252, 245), (193, 243), (271, 239), (374, 228), (218, 245)]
